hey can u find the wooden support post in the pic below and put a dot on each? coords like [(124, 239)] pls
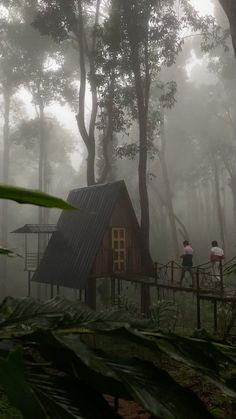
[(52, 290), (113, 291), (198, 302), (221, 277), (26, 253), (172, 271), (91, 293), (58, 290), (155, 272), (80, 294), (118, 286), (145, 298), (215, 317), (29, 284)]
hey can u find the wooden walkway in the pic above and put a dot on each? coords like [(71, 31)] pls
[(207, 286)]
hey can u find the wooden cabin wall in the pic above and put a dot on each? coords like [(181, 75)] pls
[(122, 217)]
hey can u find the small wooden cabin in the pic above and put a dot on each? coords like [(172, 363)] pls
[(100, 240)]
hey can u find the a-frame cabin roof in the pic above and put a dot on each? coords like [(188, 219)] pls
[(72, 249)]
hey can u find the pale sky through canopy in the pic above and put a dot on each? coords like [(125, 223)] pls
[(67, 117), (203, 6)]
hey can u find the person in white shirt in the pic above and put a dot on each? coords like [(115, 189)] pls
[(216, 257)]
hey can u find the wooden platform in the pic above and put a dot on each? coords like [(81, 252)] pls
[(228, 294)]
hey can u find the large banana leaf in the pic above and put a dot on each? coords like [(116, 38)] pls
[(41, 395), (137, 380), (26, 314), (13, 382), (33, 197), (22, 320), (8, 252), (67, 397), (211, 359)]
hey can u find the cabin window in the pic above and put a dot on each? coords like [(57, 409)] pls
[(119, 249)]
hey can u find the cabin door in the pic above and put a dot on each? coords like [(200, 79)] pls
[(119, 250)]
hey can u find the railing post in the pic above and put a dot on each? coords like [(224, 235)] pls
[(145, 298), (113, 290), (198, 301), (29, 284), (51, 287), (221, 277), (215, 317), (26, 253), (172, 271), (155, 272)]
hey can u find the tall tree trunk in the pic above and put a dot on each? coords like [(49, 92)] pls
[(88, 136), (142, 88), (218, 201), (229, 7), (5, 180), (233, 190), (107, 135), (169, 202), (42, 157)]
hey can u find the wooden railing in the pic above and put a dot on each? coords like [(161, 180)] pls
[(32, 261)]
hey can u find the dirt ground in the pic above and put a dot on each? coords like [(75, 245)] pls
[(129, 410)]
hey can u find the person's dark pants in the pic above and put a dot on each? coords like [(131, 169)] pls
[(188, 269)]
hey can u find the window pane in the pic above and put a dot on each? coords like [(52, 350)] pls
[(122, 255), (116, 267), (122, 233), (115, 233), (122, 244)]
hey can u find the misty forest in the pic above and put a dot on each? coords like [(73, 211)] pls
[(117, 209)]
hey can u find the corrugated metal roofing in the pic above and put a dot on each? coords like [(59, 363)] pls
[(36, 228), (72, 249)]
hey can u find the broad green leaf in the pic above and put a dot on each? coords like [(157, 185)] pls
[(8, 252), (38, 394), (20, 394), (68, 397), (77, 362), (33, 197), (203, 356), (142, 382), (19, 318), (156, 391)]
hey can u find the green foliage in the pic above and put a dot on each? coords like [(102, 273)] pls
[(7, 411), (32, 197), (43, 344), (8, 252)]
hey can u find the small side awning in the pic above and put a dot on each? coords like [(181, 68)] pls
[(36, 228)]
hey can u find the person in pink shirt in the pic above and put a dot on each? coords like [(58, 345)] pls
[(216, 256), (187, 261)]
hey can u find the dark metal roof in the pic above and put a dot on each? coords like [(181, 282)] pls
[(36, 228), (72, 249)]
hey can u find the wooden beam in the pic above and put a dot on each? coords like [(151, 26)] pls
[(145, 298), (198, 302), (91, 293)]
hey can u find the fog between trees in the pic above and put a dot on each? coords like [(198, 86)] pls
[(156, 108)]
